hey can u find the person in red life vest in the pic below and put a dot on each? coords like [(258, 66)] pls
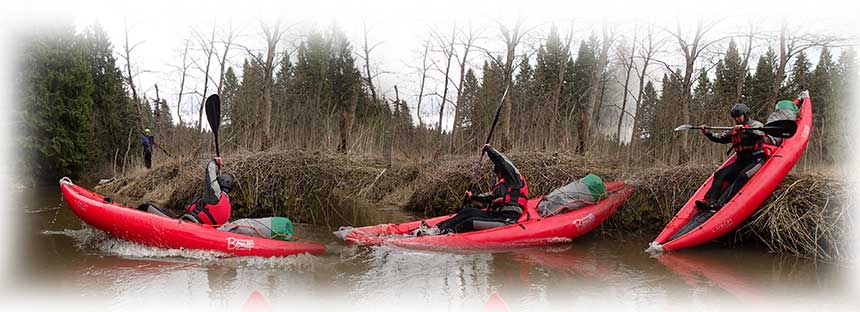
[(506, 201), (748, 146), (212, 207)]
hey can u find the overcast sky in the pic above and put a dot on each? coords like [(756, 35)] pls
[(160, 28)]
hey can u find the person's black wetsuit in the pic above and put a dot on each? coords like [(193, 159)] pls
[(504, 201), (750, 158)]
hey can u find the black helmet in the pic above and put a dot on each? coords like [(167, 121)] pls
[(225, 181), (740, 109)]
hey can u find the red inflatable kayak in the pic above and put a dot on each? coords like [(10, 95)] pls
[(531, 230), (154, 230), (780, 161)]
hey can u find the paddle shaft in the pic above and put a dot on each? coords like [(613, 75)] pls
[(162, 149), (495, 121), (730, 128), (489, 138)]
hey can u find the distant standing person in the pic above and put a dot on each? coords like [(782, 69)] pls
[(148, 141)]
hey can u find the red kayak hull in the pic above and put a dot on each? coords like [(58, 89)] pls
[(153, 230), (532, 232), (748, 199)]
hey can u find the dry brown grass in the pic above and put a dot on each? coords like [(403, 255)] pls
[(323, 189), (805, 216)]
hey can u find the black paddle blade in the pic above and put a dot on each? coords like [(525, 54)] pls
[(213, 112), (781, 128)]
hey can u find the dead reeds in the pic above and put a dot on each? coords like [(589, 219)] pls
[(805, 216)]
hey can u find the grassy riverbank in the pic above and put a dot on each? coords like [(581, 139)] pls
[(804, 216)]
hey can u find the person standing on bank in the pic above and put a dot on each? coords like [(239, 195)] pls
[(148, 141)]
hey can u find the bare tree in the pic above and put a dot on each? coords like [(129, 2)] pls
[(584, 125), (750, 35), (468, 40), (425, 66), (513, 37), (446, 47), (649, 48), (183, 74), (272, 35), (208, 48), (227, 40), (692, 49), (627, 60), (556, 97), (792, 43), (365, 56), (129, 78)]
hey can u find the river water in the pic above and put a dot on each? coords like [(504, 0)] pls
[(67, 264)]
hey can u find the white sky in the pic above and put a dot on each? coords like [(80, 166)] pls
[(401, 26)]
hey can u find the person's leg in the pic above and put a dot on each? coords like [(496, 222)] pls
[(720, 177), (147, 160), (456, 223), (740, 180), (491, 220), (151, 208)]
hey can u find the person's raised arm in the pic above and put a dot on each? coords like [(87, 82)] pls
[(509, 171), (212, 193)]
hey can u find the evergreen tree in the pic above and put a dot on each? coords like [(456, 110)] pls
[(760, 84), (704, 108), (525, 104), (166, 117), (58, 104), (471, 87), (644, 131), (488, 98), (799, 79), (667, 117), (283, 109), (549, 59), (581, 74), (821, 84), (729, 73), (111, 105), (243, 110), (821, 87), (228, 94)]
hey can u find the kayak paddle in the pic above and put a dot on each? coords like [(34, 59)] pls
[(213, 115), (779, 128), (489, 137)]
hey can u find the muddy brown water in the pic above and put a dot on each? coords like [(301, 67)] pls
[(63, 258)]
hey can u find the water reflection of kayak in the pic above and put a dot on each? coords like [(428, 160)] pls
[(695, 269), (158, 231), (256, 303), (572, 259), (691, 227), (533, 231), (495, 303)]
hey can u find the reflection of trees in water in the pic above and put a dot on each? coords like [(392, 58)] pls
[(405, 278)]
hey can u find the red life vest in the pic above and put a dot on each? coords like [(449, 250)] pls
[(739, 145), (512, 195), (216, 214)]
